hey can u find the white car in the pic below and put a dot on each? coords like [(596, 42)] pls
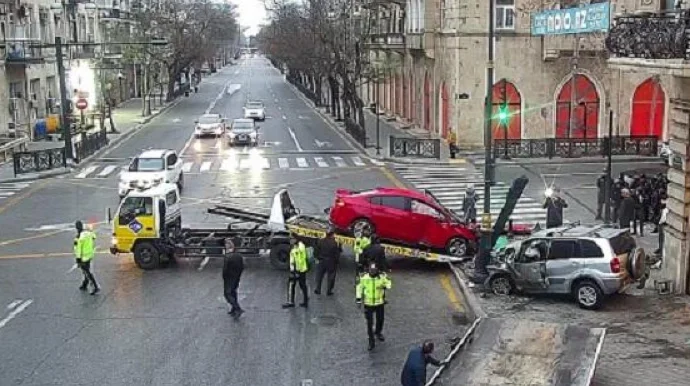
[(209, 124), (151, 168), (255, 110), (243, 132)]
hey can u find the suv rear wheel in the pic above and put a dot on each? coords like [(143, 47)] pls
[(588, 295)]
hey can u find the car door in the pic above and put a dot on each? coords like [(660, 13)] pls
[(171, 173), (424, 223), (136, 220), (390, 215), (562, 263), (529, 271)]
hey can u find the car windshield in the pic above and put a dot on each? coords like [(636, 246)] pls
[(242, 126), (255, 105), (147, 165), (208, 119)]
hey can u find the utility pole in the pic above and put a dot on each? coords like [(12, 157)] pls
[(573, 89), (609, 178), (486, 233), (64, 101)]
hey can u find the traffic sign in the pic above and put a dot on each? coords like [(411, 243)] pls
[(82, 104)]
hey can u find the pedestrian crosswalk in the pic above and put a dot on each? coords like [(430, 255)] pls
[(231, 164), (448, 185), (9, 189)]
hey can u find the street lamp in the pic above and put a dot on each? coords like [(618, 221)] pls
[(120, 78)]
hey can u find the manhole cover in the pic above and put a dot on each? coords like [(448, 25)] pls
[(326, 320)]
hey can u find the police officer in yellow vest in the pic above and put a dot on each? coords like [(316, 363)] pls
[(84, 251), (371, 291), (299, 266), (361, 242)]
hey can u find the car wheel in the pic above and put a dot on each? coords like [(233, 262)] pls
[(588, 295), (180, 182), (361, 226), (279, 256), (501, 285), (457, 246), (146, 256)]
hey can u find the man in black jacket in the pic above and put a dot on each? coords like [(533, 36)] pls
[(375, 253), (328, 254), (554, 205), (232, 272), (601, 195)]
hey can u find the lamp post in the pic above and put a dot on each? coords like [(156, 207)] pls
[(120, 78)]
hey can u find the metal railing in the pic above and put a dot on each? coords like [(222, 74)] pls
[(10, 146), (661, 35), (415, 147), (574, 147), (356, 131), (304, 90), (89, 144), (39, 160)]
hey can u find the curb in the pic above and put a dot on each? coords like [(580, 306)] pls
[(475, 311), (546, 161), (34, 177)]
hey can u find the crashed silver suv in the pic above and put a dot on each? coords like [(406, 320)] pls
[(588, 262)]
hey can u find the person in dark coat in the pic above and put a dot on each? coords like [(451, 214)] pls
[(233, 265), (626, 211), (414, 371), (554, 206), (375, 254), (601, 195), (328, 254)]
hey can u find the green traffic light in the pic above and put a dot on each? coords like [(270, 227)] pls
[(503, 114)]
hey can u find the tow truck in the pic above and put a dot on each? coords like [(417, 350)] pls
[(148, 224)]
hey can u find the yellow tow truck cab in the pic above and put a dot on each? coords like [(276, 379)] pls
[(144, 217)]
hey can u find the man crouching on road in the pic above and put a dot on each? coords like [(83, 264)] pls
[(233, 265)]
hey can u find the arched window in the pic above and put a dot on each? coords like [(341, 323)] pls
[(577, 109), (648, 109), (506, 111)]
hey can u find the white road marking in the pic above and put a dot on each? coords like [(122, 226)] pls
[(283, 163), (72, 269), (218, 145), (187, 167), (14, 185), (294, 139), (339, 162), (52, 227), (203, 263), (229, 164), (176, 120), (15, 312), (284, 117), (302, 162), (85, 173), (320, 161), (6, 194), (357, 161), (206, 166), (14, 304), (106, 171)]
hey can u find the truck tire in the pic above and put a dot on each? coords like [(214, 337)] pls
[(280, 256), (147, 256)]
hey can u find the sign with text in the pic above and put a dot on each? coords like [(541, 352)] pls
[(584, 19)]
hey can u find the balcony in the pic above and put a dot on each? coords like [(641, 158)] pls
[(387, 41), (651, 36), (563, 46), (23, 53)]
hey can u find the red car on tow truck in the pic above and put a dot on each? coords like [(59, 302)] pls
[(403, 216)]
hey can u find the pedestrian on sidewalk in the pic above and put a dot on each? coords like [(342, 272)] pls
[(452, 143), (469, 205), (327, 253), (233, 265), (638, 218), (299, 266), (601, 195), (84, 252), (626, 211), (554, 206), (414, 370)]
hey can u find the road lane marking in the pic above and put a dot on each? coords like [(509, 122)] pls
[(7, 194), (320, 162), (106, 171), (187, 167), (339, 162), (85, 173), (294, 139), (206, 166), (283, 163), (14, 304), (284, 117), (203, 264), (228, 165), (15, 312), (357, 161), (302, 163), (52, 254), (73, 268)]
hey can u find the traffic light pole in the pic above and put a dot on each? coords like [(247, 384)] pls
[(64, 101), (486, 232), (609, 179)]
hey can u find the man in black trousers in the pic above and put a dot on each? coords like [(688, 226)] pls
[(328, 254), (232, 272)]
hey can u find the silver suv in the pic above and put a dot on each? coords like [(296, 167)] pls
[(587, 262)]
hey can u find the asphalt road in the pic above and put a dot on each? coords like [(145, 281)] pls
[(170, 327)]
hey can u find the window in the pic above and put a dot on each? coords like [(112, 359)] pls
[(505, 14), (563, 249), (395, 202), (589, 248), (146, 165), (422, 208), (171, 198), (133, 207)]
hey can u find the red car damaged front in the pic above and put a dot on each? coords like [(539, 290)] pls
[(403, 216)]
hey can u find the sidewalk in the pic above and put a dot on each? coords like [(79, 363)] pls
[(127, 118)]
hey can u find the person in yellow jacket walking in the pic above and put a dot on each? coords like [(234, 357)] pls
[(84, 252), (299, 266), (371, 291)]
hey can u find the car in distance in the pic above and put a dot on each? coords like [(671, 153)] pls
[(150, 168), (403, 216), (255, 110), (243, 132), (209, 124)]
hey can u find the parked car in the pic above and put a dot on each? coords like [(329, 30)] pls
[(587, 262), (404, 216), (150, 168), (209, 124), (255, 110), (243, 132)]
